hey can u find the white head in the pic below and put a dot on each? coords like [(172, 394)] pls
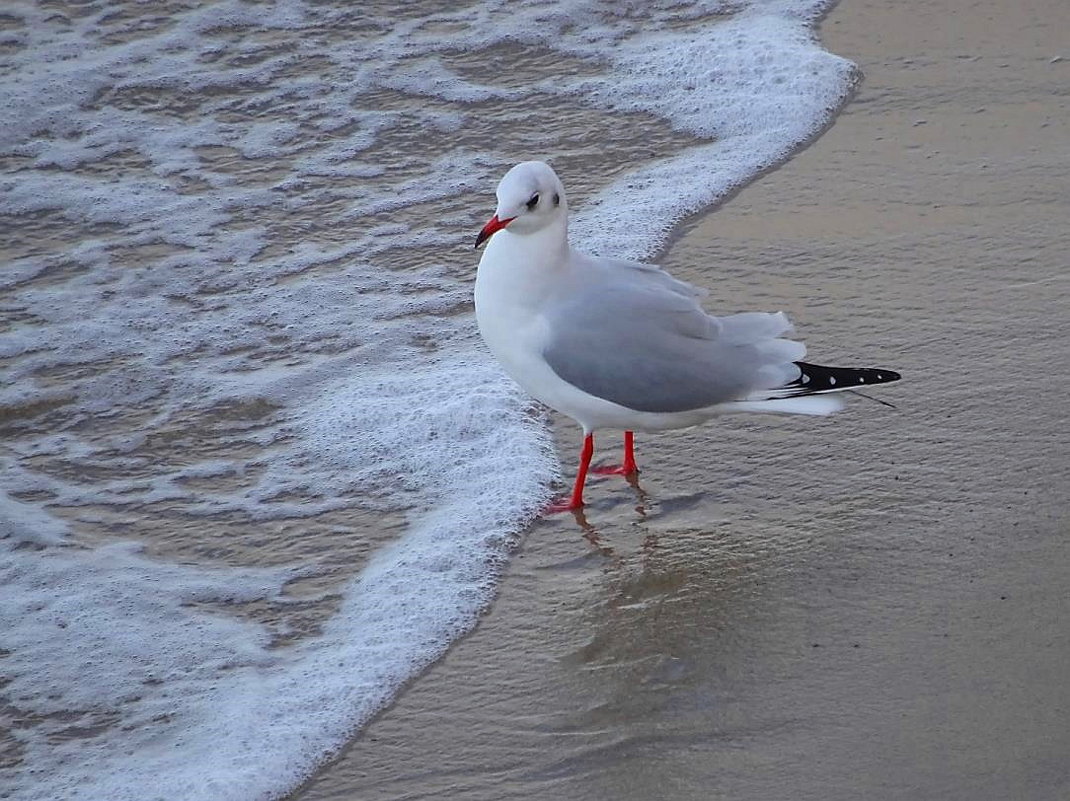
[(530, 197)]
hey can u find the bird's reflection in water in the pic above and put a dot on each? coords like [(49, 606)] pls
[(642, 497), (590, 533), (643, 506)]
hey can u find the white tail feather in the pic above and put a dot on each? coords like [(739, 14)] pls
[(808, 404)]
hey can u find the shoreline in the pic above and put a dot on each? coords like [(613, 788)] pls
[(864, 606)]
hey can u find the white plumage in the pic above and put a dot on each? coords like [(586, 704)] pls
[(623, 345)]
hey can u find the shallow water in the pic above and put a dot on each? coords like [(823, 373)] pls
[(258, 472), (866, 606)]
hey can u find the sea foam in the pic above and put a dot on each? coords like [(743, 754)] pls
[(236, 296)]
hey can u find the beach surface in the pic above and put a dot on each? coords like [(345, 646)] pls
[(868, 606)]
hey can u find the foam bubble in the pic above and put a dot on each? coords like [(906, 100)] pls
[(240, 295), (758, 84)]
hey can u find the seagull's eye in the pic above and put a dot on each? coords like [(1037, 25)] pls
[(531, 204)]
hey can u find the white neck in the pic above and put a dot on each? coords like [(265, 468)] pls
[(516, 268)]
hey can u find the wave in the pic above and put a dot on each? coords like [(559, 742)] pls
[(237, 312)]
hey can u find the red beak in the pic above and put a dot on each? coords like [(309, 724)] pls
[(492, 228)]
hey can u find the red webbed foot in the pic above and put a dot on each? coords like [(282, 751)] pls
[(562, 505), (615, 469)]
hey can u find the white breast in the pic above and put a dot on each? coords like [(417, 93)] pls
[(509, 295), (511, 289)]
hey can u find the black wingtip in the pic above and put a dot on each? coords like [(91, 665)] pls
[(817, 378)]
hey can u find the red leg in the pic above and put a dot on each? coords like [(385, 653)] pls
[(628, 467), (576, 501)]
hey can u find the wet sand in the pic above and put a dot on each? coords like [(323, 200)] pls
[(868, 606)]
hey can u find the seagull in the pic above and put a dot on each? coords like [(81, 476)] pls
[(623, 345)]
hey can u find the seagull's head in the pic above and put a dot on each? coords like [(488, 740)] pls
[(530, 197)]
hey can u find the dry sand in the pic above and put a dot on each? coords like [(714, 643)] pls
[(870, 606)]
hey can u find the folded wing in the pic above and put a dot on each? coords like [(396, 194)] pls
[(639, 338)]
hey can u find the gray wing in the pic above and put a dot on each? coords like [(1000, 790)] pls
[(634, 335)]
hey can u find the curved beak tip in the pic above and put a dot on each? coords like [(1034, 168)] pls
[(492, 227)]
